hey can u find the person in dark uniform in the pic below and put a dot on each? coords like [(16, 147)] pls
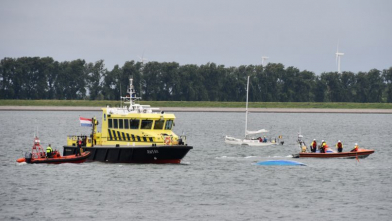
[(339, 146), (313, 146), (323, 146), (78, 148)]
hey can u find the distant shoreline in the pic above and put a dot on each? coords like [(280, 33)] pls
[(207, 109)]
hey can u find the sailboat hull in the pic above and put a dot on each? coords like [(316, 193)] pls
[(247, 142)]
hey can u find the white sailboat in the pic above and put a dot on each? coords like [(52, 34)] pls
[(249, 139)]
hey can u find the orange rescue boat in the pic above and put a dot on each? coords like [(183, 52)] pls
[(38, 155)]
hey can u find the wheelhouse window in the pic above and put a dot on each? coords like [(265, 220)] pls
[(115, 123), (158, 124), (110, 121), (169, 125), (126, 124), (146, 124), (134, 124), (120, 124)]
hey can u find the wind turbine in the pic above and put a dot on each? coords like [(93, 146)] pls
[(338, 55), (142, 59), (263, 59)]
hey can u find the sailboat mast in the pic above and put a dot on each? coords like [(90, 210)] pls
[(246, 111)]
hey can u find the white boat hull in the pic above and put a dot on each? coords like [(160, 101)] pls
[(256, 143)]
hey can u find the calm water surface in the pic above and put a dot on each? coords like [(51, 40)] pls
[(216, 181)]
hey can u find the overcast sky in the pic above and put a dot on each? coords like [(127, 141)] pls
[(299, 33)]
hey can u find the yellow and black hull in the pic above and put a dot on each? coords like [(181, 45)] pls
[(134, 154)]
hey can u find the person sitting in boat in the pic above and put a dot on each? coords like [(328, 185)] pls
[(313, 146), (260, 139), (339, 146), (49, 151), (355, 148), (323, 146), (264, 140)]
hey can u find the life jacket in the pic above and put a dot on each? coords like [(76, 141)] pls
[(48, 150), (314, 144), (339, 145)]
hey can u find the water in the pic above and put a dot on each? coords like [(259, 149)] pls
[(215, 181)]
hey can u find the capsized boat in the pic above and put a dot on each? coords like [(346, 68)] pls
[(250, 138), (132, 133), (38, 155), (329, 153), (280, 163)]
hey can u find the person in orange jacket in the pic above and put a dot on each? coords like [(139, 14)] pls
[(355, 148), (313, 146), (339, 146)]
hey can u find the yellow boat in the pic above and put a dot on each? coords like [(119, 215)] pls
[(132, 133)]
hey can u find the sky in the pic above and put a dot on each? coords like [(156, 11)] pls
[(300, 33)]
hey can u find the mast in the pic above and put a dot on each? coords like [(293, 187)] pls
[(246, 110), (131, 95)]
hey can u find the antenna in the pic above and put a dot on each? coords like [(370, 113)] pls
[(338, 55), (263, 59)]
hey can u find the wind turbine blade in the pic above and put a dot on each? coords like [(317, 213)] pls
[(337, 47)]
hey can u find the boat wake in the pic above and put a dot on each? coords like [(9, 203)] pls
[(251, 157), (20, 164)]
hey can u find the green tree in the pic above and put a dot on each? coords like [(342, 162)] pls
[(348, 82), (71, 80), (272, 75), (110, 90), (387, 74), (6, 78), (376, 86), (334, 89), (94, 77)]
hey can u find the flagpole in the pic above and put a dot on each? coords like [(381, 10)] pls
[(92, 133)]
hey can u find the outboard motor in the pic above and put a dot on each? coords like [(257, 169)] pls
[(28, 157)]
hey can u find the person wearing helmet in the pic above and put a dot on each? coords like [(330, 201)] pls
[(313, 146), (355, 148), (49, 151), (323, 146), (339, 146)]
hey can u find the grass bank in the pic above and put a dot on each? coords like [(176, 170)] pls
[(88, 103)]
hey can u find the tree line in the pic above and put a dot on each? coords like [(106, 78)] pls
[(45, 78)]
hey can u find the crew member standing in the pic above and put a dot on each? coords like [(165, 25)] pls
[(313, 146), (49, 151), (78, 148), (339, 146)]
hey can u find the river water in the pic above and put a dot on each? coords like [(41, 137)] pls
[(215, 181)]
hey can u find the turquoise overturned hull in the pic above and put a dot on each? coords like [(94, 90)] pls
[(280, 163)]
